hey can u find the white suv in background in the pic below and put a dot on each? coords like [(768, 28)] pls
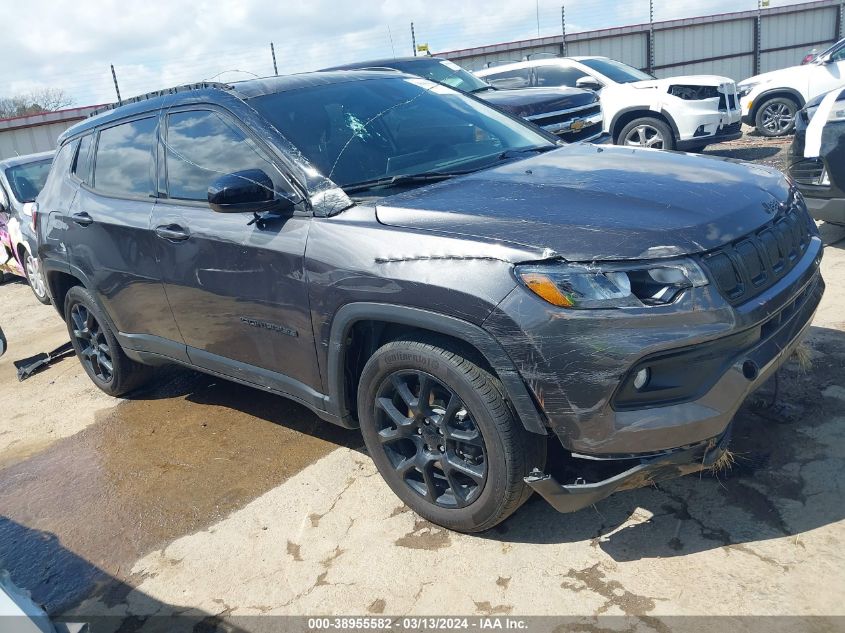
[(771, 100), (686, 113)]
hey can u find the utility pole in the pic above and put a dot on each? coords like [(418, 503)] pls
[(563, 30), (116, 89), (758, 36), (390, 35), (273, 53), (840, 31), (650, 51), (413, 39), (537, 5)]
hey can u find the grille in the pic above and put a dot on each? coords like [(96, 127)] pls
[(566, 116), (751, 264), (728, 99), (585, 132), (807, 172), (726, 102)]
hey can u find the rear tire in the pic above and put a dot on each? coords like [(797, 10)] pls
[(647, 132), (95, 345), (458, 456), (776, 117), (35, 278)]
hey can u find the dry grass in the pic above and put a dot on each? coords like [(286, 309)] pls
[(725, 462), (803, 355)]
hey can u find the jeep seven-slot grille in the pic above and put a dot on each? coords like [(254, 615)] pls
[(751, 264)]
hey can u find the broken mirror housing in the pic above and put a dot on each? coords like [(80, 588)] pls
[(611, 285)]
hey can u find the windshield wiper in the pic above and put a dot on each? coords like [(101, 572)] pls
[(401, 179), (513, 153)]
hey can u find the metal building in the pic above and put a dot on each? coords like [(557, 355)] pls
[(37, 132), (736, 45)]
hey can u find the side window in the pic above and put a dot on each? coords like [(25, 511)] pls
[(58, 171), (554, 75), (82, 163), (124, 164), (202, 145), (516, 78)]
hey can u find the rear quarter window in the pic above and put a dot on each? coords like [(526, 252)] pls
[(124, 164), (82, 162), (557, 76), (509, 79), (58, 170)]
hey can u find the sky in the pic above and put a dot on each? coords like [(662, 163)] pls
[(154, 44)]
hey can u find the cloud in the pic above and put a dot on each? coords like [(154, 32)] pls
[(153, 44)]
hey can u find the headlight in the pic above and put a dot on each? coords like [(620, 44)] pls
[(743, 90), (837, 112), (612, 285)]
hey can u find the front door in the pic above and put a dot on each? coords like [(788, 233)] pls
[(236, 288)]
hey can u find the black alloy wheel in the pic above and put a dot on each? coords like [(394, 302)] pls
[(431, 439), (94, 350)]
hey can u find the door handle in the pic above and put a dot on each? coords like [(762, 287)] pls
[(82, 219), (172, 232)]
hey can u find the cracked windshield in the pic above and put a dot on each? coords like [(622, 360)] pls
[(361, 131)]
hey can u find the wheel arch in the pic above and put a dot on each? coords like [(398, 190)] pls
[(60, 280), (23, 250), (626, 115), (763, 97), (383, 322)]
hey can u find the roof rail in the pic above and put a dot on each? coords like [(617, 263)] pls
[(160, 93)]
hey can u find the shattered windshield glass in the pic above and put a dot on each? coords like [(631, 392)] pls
[(367, 130)]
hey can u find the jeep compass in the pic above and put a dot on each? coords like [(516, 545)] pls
[(404, 259)]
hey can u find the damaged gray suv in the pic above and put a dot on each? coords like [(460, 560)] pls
[(404, 259)]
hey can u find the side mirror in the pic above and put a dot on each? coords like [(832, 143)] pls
[(588, 83), (248, 191)]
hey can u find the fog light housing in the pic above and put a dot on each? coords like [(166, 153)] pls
[(642, 378)]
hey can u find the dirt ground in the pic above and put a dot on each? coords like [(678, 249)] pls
[(206, 498)]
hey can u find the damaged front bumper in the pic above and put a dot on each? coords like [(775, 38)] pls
[(646, 471)]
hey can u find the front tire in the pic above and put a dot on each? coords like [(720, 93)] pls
[(443, 437), (96, 347), (35, 278), (776, 117), (647, 132)]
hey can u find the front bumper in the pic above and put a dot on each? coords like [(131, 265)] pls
[(576, 363), (649, 470), (723, 135)]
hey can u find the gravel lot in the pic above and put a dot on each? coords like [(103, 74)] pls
[(214, 500)]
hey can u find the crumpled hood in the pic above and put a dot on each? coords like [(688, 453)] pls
[(533, 101), (683, 80), (585, 202)]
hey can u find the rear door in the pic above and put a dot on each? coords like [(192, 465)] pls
[(109, 233), (236, 287)]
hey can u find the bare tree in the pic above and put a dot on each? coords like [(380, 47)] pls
[(34, 102)]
